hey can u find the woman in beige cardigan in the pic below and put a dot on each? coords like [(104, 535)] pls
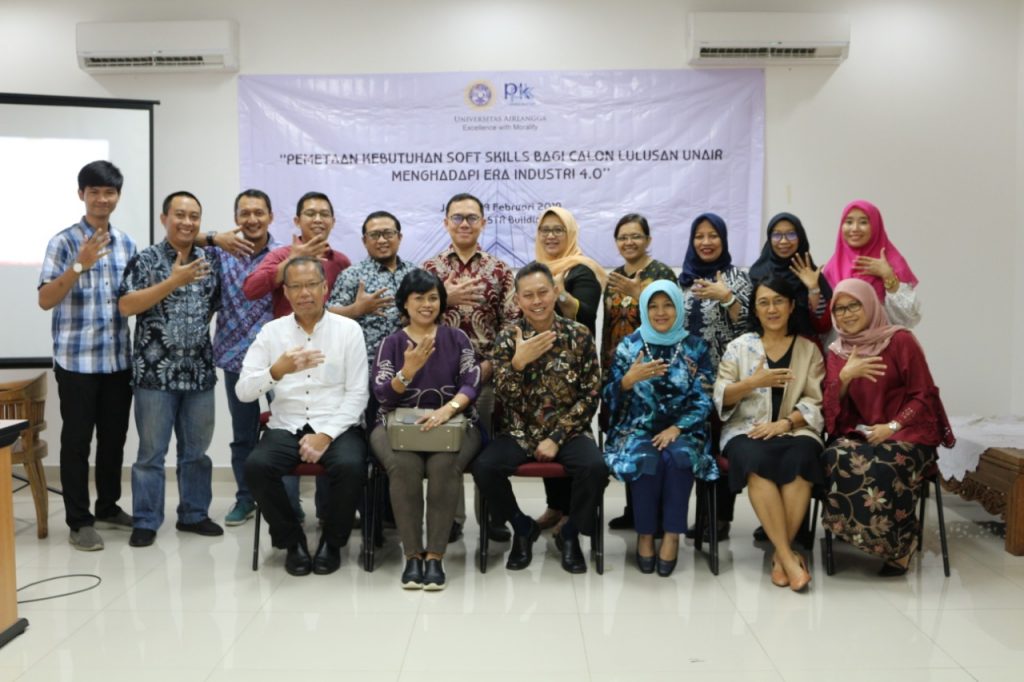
[(768, 393)]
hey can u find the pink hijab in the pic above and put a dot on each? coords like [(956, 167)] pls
[(840, 266), (875, 337)]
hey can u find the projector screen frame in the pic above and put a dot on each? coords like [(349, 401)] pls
[(46, 362)]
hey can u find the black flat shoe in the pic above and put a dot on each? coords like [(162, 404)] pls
[(664, 567), (521, 554), (298, 562), (412, 576), (893, 569), (433, 575), (645, 563), (327, 559), (572, 554), (455, 533), (760, 535), (723, 532)]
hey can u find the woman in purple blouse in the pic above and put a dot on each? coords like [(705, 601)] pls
[(425, 365)]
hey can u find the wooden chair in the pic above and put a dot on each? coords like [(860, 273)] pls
[(26, 399)]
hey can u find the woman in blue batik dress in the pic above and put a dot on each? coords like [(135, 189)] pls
[(659, 396)]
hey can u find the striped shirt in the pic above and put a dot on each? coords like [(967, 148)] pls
[(90, 335)]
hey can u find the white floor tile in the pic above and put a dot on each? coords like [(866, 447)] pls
[(977, 638)]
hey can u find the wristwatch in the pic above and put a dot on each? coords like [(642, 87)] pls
[(402, 378), (894, 426), (562, 297), (209, 238), (454, 404), (78, 268)]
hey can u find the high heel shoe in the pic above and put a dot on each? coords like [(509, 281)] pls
[(804, 579), (645, 563), (779, 577)]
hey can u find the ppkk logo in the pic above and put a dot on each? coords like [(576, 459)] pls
[(519, 93)]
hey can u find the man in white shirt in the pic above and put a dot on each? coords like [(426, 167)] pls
[(316, 365)]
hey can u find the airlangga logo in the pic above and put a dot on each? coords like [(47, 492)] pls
[(519, 93), (480, 95)]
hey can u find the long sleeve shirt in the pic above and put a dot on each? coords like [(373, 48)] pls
[(263, 279), (556, 395), (330, 397)]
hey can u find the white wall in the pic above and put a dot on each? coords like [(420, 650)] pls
[(920, 119)]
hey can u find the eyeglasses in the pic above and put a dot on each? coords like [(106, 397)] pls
[(849, 309), (765, 303), (788, 236), (313, 215), (551, 231), (622, 238), (381, 234), (470, 219), (299, 286)]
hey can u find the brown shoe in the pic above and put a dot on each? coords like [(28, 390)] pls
[(549, 518)]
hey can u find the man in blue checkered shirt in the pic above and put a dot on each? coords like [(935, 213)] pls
[(80, 276)]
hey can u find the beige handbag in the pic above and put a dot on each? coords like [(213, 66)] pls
[(404, 433)]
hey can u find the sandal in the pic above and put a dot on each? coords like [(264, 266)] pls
[(803, 580)]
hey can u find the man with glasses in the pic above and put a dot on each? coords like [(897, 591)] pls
[(314, 216), (316, 365), (480, 289), (365, 292)]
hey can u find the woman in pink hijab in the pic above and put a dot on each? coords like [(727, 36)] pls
[(863, 251), (884, 416)]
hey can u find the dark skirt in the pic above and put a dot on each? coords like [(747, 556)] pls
[(780, 460), (872, 494)]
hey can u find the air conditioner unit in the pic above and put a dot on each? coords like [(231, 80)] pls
[(767, 38), (157, 46)]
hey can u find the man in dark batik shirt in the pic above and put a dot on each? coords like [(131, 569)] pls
[(548, 378), (173, 289)]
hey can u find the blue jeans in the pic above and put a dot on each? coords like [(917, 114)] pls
[(190, 415), (245, 433)]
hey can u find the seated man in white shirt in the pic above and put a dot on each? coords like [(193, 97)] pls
[(315, 362)]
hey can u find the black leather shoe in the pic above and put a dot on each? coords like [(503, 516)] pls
[(455, 533), (760, 535), (645, 563), (142, 537), (498, 533), (202, 527), (723, 532), (665, 567), (327, 559), (624, 522), (572, 555), (521, 554), (298, 562), (433, 575), (412, 576)]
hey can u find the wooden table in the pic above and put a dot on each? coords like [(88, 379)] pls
[(10, 625), (998, 483)]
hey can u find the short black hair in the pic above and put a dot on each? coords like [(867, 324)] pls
[(180, 193), (420, 281), (783, 287), (254, 194), (463, 196), (382, 214), (532, 268), (633, 218), (303, 260), (100, 174), (312, 195)]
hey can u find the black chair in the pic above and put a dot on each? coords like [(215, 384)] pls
[(546, 470)]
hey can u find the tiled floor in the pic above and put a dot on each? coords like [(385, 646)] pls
[(190, 608)]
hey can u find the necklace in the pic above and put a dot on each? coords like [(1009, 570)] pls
[(675, 356)]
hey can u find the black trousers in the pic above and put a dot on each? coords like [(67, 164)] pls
[(276, 455), (100, 403), (582, 461)]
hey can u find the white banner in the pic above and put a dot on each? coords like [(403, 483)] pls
[(667, 144)]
